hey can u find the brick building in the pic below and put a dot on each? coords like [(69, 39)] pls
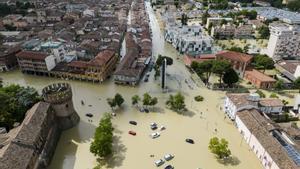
[(239, 61), (259, 79)]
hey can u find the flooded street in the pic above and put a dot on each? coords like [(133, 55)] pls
[(133, 152)]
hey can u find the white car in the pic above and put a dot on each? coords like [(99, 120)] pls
[(168, 157), (159, 162), (153, 124), (162, 128), (155, 135)]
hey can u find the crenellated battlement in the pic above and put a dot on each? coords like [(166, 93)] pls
[(57, 93)]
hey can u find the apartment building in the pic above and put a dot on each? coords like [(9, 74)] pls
[(284, 42), (217, 21), (223, 32), (188, 39), (8, 58), (35, 62), (230, 31)]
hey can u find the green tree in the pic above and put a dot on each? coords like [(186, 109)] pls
[(1, 82), (273, 95), (119, 99), (159, 62), (14, 102), (176, 102), (246, 48), (146, 99), (219, 147), (184, 19), (260, 93), (205, 15), (294, 5), (153, 101), (223, 22), (230, 77), (203, 69), (276, 3), (263, 62), (220, 67), (297, 84), (101, 146), (279, 85), (236, 49), (111, 102), (160, 59), (135, 99), (264, 32)]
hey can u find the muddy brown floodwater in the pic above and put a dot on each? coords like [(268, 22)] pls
[(133, 152)]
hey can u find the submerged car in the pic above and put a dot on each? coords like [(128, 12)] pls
[(133, 122), (89, 115), (162, 128), (168, 157), (188, 140), (155, 135), (159, 162), (132, 133), (169, 167), (153, 126)]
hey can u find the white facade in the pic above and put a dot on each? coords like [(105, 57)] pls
[(231, 109), (234, 103), (284, 42), (50, 62), (255, 145), (57, 48), (89, 12), (189, 39)]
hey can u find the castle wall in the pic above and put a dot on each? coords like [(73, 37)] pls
[(60, 97)]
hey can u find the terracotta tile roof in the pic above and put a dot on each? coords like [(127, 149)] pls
[(261, 128), (258, 75), (19, 152), (189, 59), (271, 102), (234, 56), (78, 64), (102, 58), (289, 65), (32, 55), (240, 99)]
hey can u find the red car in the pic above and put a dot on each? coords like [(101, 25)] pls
[(132, 133)]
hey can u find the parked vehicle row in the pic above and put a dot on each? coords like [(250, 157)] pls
[(167, 157)]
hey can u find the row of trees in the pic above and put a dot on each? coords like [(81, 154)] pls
[(219, 67), (175, 102), (147, 100), (249, 14), (15, 100)]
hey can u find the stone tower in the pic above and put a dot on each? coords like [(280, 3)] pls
[(59, 95)]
